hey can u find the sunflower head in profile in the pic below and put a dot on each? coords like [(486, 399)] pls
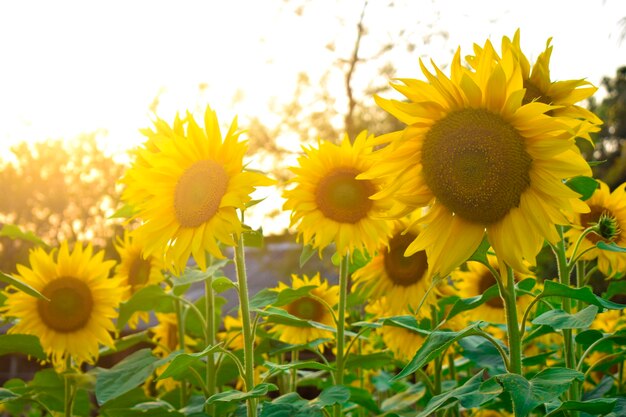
[(483, 161), (608, 210), (82, 301), (330, 204), (314, 307), (136, 271), (186, 187), (403, 280)]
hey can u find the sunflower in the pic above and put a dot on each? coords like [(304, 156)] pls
[(478, 279), (482, 160), (403, 280), (136, 271), (82, 303), (186, 187), (329, 204), (613, 207), (308, 308)]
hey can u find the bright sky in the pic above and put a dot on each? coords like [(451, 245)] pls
[(73, 67)]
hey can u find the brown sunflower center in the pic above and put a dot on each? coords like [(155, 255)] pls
[(199, 192), (306, 308), (343, 198), (172, 337), (487, 281), (139, 271), (533, 93), (404, 270), (476, 165), (592, 218), (70, 305)]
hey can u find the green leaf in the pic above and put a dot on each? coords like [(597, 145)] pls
[(125, 342), (283, 367), (470, 303), (253, 238), (556, 289), (288, 295), (236, 395), (369, 361), (406, 322), (404, 399), (22, 286), (307, 252), (358, 260), (588, 337), (585, 186), (364, 398), (7, 395), (480, 254), (435, 345), (598, 406), (336, 394), (221, 284), (281, 316), (596, 163), (192, 275), (180, 362), (21, 343), (14, 232), (471, 394), (125, 375), (124, 212), (151, 298), (480, 351), (263, 298), (611, 247), (559, 319), (544, 387)]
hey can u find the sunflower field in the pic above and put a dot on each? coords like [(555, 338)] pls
[(437, 232)]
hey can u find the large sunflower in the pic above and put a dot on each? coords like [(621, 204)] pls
[(403, 280), (613, 206), (483, 161), (186, 187), (329, 204), (308, 308), (82, 303), (136, 271)]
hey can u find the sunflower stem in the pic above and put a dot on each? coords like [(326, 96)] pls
[(210, 340), (341, 325), (69, 388), (512, 323), (248, 337), (180, 318), (295, 357)]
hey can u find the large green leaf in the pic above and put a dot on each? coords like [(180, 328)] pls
[(485, 355), (364, 398), (556, 289), (369, 361), (7, 395), (284, 367), (435, 345), (598, 406), (470, 303), (22, 286), (180, 362), (236, 395), (192, 275), (288, 295), (544, 387), (21, 343), (336, 394), (585, 186), (14, 232), (611, 247), (263, 298), (559, 319), (151, 298)]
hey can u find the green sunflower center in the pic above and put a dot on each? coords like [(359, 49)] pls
[(609, 228), (485, 282), (404, 270), (199, 192), (476, 165), (533, 93), (139, 271), (70, 305), (343, 198), (307, 308)]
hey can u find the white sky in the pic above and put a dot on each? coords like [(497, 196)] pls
[(73, 67)]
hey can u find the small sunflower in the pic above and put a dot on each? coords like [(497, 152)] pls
[(612, 206), (186, 187), (136, 271), (482, 160), (308, 308), (329, 204), (403, 280), (609, 321), (82, 303)]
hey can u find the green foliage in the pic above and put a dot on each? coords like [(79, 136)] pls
[(21, 343), (585, 186), (22, 286), (559, 319)]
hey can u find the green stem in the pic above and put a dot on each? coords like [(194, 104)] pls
[(341, 325), (248, 337), (69, 389), (210, 341), (180, 318), (295, 357), (507, 292)]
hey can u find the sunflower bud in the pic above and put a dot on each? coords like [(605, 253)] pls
[(607, 227)]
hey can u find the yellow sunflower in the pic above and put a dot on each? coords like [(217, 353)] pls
[(136, 272), (609, 321), (475, 281), (613, 206), (403, 280), (82, 306), (483, 161), (308, 308), (329, 204), (188, 191)]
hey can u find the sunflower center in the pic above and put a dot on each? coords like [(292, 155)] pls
[(172, 337), (487, 281), (306, 308), (533, 93), (343, 198), (199, 192), (476, 165), (592, 218), (139, 271), (70, 305), (404, 270)]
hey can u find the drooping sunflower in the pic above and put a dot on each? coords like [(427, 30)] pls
[(82, 303), (308, 308), (403, 280), (187, 190), (329, 204), (611, 205), (136, 271), (482, 160)]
